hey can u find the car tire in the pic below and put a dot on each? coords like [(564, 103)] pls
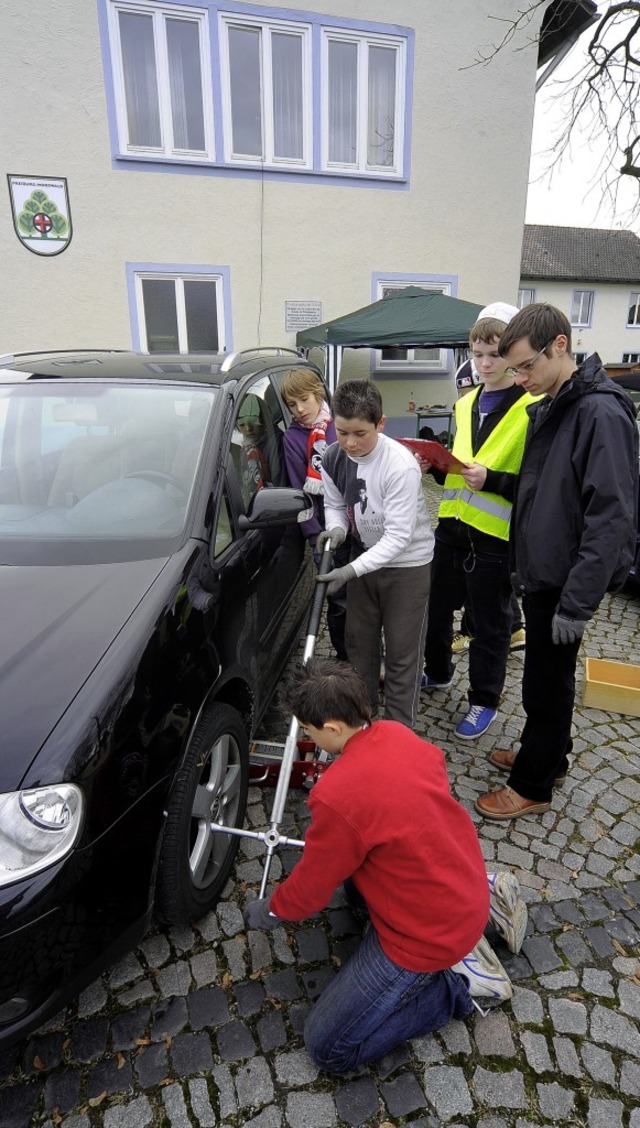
[(210, 787)]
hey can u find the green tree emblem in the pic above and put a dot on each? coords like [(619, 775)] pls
[(37, 206)]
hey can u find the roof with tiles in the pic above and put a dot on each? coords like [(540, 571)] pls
[(580, 254)]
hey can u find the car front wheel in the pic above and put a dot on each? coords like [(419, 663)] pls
[(210, 790)]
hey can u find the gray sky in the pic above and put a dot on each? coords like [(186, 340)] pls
[(571, 194)]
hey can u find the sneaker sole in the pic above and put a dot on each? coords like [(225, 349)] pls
[(508, 911), (432, 688), (498, 985)]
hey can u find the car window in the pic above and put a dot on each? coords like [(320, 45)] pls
[(224, 527), (256, 443), (97, 462)]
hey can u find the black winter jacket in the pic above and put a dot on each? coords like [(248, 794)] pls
[(573, 524)]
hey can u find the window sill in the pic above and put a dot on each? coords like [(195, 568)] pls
[(144, 162)]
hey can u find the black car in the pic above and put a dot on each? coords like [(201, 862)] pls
[(153, 584)]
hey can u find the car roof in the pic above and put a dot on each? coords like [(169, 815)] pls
[(114, 364)]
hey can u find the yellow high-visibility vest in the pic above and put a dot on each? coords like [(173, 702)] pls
[(488, 512)]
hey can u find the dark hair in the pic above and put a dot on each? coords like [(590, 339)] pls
[(357, 399), (326, 690), (541, 323)]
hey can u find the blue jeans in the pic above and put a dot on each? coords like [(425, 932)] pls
[(373, 1005)]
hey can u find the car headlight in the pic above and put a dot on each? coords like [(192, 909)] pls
[(37, 828)]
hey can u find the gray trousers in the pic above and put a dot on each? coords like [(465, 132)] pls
[(393, 600)]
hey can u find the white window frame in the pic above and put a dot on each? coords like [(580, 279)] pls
[(630, 357), (530, 290), (160, 13), (364, 40), (179, 278), (582, 322), (267, 27), (411, 364), (634, 304)]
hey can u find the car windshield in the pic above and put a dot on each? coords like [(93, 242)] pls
[(87, 464)]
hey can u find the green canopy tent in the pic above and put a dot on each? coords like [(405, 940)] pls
[(408, 318)]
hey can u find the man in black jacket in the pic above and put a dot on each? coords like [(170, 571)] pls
[(572, 537)]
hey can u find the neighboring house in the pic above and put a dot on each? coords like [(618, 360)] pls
[(594, 277), (238, 171)]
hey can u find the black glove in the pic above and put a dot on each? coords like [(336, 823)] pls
[(335, 537), (337, 578), (565, 630), (257, 915)]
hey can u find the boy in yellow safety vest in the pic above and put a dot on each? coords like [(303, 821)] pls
[(471, 558)]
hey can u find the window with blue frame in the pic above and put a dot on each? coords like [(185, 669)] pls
[(247, 87)]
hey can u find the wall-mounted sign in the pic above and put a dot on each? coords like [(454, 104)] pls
[(41, 214), (301, 315)]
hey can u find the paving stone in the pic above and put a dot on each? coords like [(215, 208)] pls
[(92, 999), (357, 1101), (298, 1015), (204, 967), (493, 1035), (446, 1089), (191, 1053), (235, 1042), (230, 918), (310, 1110), (427, 1049), (250, 996), (567, 1057), (129, 1026), (393, 1061), (152, 1065), (403, 1095), (175, 1106), (536, 1051), (125, 970), (254, 1085), (527, 1006), (598, 1063), (598, 982), (89, 1039), (200, 1103), (622, 931), (61, 1091), (456, 1037), (501, 1090), (207, 1007), (614, 1030), (271, 1031), (283, 985), (44, 1052), (312, 945), (604, 1113), (568, 1017), (226, 1089), (574, 948), (168, 1018), (541, 954), (314, 982), (259, 950), (269, 1118), (630, 1078), (156, 950), (600, 941), (559, 980), (136, 1113), (295, 1068), (175, 979), (556, 1103), (112, 1075)]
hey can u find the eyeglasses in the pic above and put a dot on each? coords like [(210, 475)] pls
[(525, 369)]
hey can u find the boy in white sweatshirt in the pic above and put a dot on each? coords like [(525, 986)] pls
[(373, 487)]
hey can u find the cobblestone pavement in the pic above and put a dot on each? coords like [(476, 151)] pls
[(202, 1026)]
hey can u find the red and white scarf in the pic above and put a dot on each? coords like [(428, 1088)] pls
[(316, 447)]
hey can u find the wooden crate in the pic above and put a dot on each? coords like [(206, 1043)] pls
[(612, 686)]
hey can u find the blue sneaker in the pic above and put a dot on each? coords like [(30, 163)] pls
[(476, 722), (484, 973), (430, 683)]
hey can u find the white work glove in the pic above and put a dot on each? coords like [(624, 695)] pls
[(565, 630), (337, 578), (335, 537)]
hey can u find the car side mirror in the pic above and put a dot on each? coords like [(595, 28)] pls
[(275, 505)]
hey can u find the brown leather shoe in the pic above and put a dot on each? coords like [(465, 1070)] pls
[(505, 803), (505, 760)]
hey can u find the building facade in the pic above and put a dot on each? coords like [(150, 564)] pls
[(220, 175)]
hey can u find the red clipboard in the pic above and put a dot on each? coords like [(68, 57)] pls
[(435, 454)]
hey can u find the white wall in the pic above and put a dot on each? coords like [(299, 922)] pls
[(460, 215), (608, 334)]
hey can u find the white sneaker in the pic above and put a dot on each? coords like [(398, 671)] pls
[(507, 910), (484, 973)]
